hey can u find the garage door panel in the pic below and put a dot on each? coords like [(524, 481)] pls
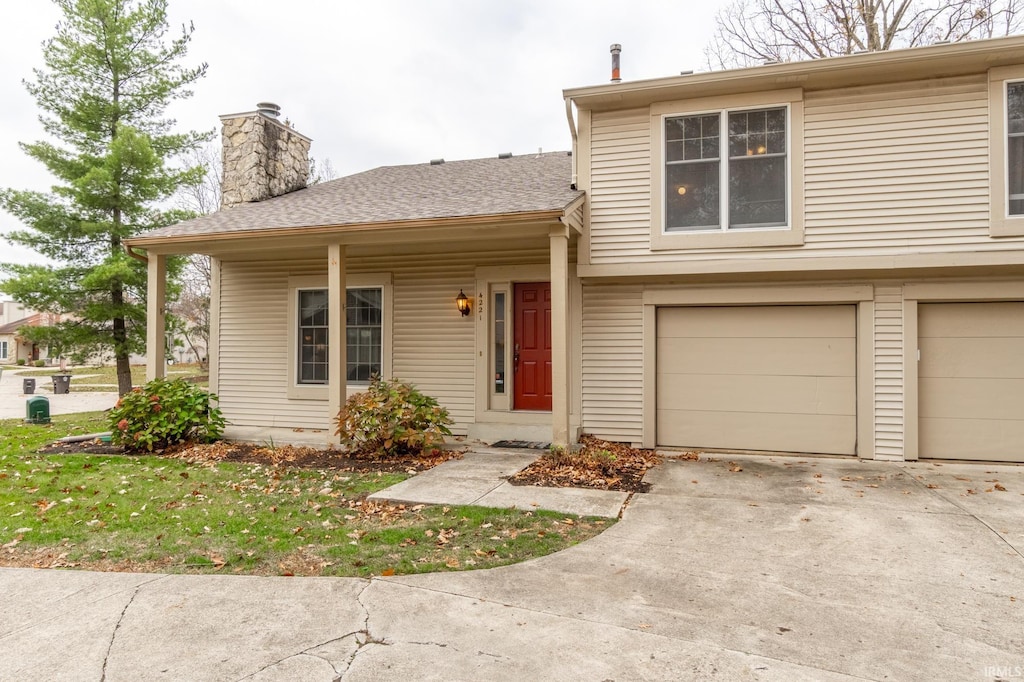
[(999, 440), (833, 434), (731, 393), (971, 398), (798, 357), (971, 320), (971, 381), (972, 357), (759, 378), (749, 322)]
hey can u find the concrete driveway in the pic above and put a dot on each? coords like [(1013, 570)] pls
[(12, 399), (744, 568)]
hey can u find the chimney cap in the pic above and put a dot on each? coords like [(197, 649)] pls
[(268, 109), (436, 162), (505, 155)]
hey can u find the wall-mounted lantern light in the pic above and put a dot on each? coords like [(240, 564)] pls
[(462, 303)]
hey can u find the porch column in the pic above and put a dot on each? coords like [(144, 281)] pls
[(560, 335), (336, 335), (156, 319)]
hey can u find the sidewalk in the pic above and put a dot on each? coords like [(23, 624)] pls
[(480, 478), (12, 399)]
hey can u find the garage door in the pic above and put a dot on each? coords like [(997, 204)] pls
[(971, 381), (780, 378)]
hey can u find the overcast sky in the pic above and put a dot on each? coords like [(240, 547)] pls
[(381, 82)]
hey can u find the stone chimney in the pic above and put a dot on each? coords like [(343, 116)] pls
[(262, 157)]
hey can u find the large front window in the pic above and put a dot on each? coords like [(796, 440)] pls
[(363, 321), (726, 170), (1015, 146)]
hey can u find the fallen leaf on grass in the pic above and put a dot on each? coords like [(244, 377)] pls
[(388, 572)]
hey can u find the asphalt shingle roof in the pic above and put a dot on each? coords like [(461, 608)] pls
[(477, 187)]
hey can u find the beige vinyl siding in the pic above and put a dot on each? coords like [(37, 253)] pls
[(620, 179), (888, 370), (612, 358), (432, 347), (889, 170), (253, 350)]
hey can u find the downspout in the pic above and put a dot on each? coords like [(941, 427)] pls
[(572, 131), (137, 256)]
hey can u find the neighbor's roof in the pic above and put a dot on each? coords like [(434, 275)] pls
[(394, 194), (30, 321)]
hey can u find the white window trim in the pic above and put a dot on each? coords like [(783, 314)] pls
[(297, 391), (788, 235), (1001, 223), (3, 350)]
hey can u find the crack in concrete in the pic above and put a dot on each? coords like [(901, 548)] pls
[(120, 619), (935, 492), (339, 673), (368, 637), (625, 503), (602, 623)]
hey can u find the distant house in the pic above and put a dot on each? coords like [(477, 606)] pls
[(821, 257), (13, 344)]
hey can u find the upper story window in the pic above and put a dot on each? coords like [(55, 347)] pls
[(1015, 147), (731, 181), (1006, 151), (727, 171)]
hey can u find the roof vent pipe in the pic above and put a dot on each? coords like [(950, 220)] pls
[(616, 49), (269, 109)]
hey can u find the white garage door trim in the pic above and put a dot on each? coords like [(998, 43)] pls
[(776, 378), (938, 292)]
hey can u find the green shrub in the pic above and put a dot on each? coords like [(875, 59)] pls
[(391, 418), (40, 363), (164, 412), (21, 361)]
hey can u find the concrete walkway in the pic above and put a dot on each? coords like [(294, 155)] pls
[(479, 478), (12, 399), (738, 568)]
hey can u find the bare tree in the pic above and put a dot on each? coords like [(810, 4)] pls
[(320, 171), (750, 32), (190, 313)]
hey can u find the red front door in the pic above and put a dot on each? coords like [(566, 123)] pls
[(532, 350)]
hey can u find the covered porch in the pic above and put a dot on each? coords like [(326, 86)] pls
[(389, 293)]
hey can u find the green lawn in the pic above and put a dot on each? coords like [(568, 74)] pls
[(105, 378), (151, 513)]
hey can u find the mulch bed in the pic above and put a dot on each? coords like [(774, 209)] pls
[(597, 464), (282, 455)]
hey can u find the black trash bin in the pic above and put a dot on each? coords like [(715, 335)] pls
[(28, 386), (61, 383)]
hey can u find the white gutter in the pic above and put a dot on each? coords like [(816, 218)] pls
[(572, 131)]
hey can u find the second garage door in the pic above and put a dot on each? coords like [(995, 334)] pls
[(778, 378), (971, 381)]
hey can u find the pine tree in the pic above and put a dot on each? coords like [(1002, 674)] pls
[(110, 73)]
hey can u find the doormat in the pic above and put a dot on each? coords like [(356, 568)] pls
[(524, 444)]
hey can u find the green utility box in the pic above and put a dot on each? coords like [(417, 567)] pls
[(37, 410)]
